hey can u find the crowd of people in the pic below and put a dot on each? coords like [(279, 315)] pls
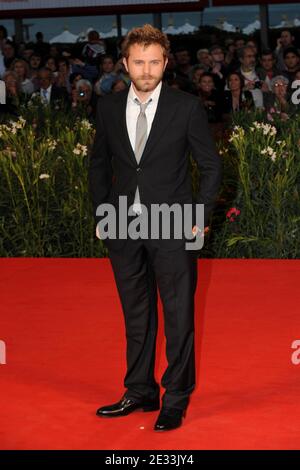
[(227, 77)]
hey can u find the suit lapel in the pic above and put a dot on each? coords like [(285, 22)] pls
[(164, 114), (121, 113)]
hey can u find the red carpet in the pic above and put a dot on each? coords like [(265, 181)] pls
[(63, 328)]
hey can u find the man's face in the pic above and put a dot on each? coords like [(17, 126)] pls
[(145, 66), (291, 61), (248, 61), (108, 65), (182, 57), (8, 51), (27, 53), (35, 62), (286, 38), (267, 62), (207, 84), (218, 56), (44, 79), (205, 58), (239, 43)]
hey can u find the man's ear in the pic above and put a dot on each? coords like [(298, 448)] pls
[(125, 63), (167, 60)]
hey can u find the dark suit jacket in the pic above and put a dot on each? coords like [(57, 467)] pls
[(58, 95), (163, 173)]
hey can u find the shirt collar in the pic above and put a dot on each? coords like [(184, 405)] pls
[(154, 95)]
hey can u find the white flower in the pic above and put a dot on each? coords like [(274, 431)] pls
[(270, 152), (80, 150), (238, 133), (51, 144), (44, 176), (267, 129), (85, 124)]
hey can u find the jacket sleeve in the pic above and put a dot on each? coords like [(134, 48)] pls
[(100, 168), (206, 156)]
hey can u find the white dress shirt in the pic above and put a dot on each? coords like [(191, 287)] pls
[(46, 99), (132, 112)]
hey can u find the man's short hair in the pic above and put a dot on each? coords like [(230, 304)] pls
[(145, 35), (291, 50)]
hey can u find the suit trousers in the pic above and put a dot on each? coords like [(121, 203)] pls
[(139, 268)]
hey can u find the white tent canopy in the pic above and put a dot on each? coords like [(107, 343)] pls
[(113, 33), (170, 30), (252, 27), (64, 37), (228, 27), (186, 28)]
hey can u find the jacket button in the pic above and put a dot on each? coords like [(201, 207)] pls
[(138, 169)]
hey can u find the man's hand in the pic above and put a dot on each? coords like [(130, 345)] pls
[(196, 229), (97, 232)]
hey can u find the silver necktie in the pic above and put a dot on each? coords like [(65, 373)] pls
[(140, 142)]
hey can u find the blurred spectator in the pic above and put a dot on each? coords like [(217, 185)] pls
[(278, 100), (94, 49), (118, 85), (41, 47), (239, 42), (3, 35), (27, 52), (107, 76), (74, 78), (54, 51), (218, 68), (183, 63), (84, 101), (210, 97), (285, 40), (253, 44), (13, 93), (170, 70), (51, 64), (198, 71), (88, 71), (204, 58), (236, 98), (48, 91), (267, 69), (21, 68), (247, 69), (231, 61), (63, 74), (291, 58), (9, 53)]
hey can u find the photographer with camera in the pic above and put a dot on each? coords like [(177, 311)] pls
[(247, 69), (84, 100)]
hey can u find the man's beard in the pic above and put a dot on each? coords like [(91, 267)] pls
[(146, 83)]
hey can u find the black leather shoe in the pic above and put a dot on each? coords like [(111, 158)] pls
[(126, 406), (168, 419)]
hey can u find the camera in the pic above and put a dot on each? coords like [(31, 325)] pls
[(258, 84), (82, 93)]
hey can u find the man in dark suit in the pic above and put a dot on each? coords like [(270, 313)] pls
[(141, 151), (49, 92)]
